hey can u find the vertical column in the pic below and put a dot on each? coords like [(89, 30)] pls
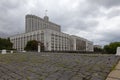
[(39, 47), (86, 45), (74, 44), (16, 43), (33, 27), (19, 43), (26, 26), (47, 41)]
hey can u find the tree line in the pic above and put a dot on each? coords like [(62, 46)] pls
[(108, 49), (33, 46), (111, 48), (30, 46), (5, 44)]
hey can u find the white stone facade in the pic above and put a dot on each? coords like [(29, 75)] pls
[(34, 23), (81, 44), (50, 35)]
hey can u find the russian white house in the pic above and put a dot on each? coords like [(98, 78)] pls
[(50, 35)]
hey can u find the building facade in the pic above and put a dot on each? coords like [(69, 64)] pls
[(50, 35), (34, 23)]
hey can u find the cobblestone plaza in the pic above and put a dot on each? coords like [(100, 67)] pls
[(56, 66)]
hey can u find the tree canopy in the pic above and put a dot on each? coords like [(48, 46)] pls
[(5, 44), (98, 49), (111, 48), (33, 46)]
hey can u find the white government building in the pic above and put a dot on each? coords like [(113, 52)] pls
[(50, 35)]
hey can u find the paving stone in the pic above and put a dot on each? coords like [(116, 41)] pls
[(115, 74), (111, 79), (118, 66), (78, 77), (16, 76), (58, 66), (67, 75)]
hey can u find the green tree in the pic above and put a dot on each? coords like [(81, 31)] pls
[(33, 46), (98, 49), (5, 44), (111, 48)]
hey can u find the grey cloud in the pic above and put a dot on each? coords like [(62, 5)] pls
[(84, 25), (77, 20), (89, 11), (72, 20), (112, 37), (11, 15), (108, 37), (87, 25), (106, 3), (3, 35), (113, 13), (76, 23)]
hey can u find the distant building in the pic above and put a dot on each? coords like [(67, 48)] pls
[(50, 34), (97, 46)]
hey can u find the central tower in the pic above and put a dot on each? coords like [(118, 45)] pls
[(33, 23)]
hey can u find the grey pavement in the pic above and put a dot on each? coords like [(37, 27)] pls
[(56, 66)]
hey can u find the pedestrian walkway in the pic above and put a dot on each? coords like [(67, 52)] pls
[(115, 74)]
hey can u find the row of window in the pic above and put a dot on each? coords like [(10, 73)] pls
[(22, 41), (35, 24), (80, 44), (59, 42)]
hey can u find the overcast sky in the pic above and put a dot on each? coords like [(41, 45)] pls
[(96, 20)]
